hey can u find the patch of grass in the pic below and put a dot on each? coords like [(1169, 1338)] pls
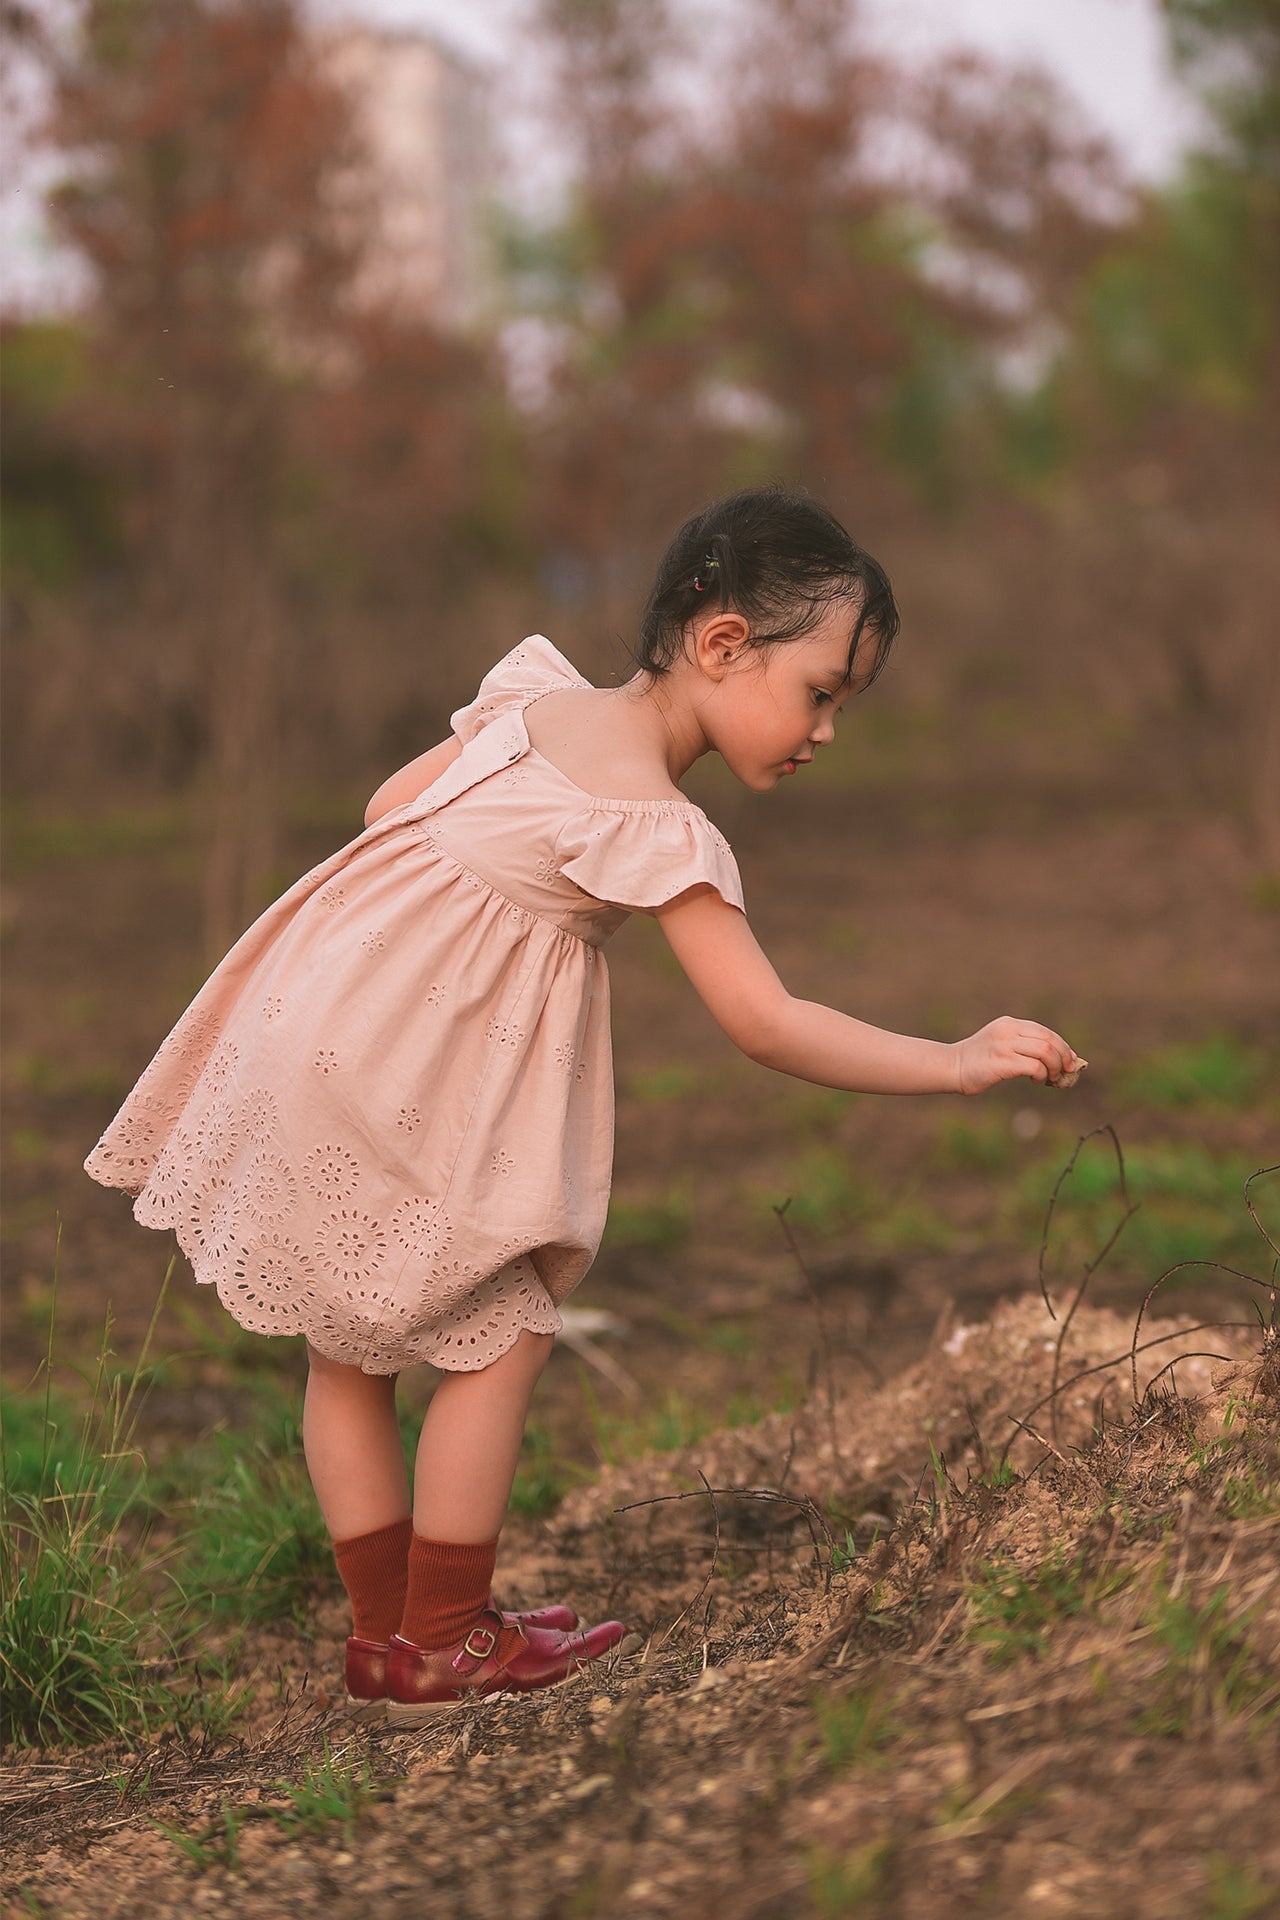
[(1012, 1613), (664, 1222), (974, 1146), (1236, 1891), (84, 1627), (216, 1845), (821, 1191), (257, 1546), (38, 1072), (30, 1144), (1190, 1207), (819, 1109), (33, 840), (842, 938), (854, 1728), (1251, 1493), (333, 1792), (915, 1223), (1209, 1667), (671, 1082), (672, 1425), (541, 1480), (51, 1449), (731, 1338), (1218, 1071), (839, 1883)]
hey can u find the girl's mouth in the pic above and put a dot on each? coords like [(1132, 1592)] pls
[(791, 766)]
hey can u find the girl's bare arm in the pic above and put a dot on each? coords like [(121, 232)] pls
[(717, 949), (413, 779)]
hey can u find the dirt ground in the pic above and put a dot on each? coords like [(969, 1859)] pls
[(702, 1772), (791, 1741)]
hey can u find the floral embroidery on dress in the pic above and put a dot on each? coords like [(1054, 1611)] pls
[(326, 1061), (260, 1112), (421, 1228), (375, 941), (366, 1326), (271, 1189), (504, 1034), (271, 1283), (331, 898), (331, 1172), (221, 1065), (434, 994), (501, 1163), (272, 1007), (168, 1191), (218, 1134), (545, 869), (408, 1119), (351, 1244), (214, 1218)]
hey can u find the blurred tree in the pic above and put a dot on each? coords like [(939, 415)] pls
[(1170, 389), (204, 136), (747, 288)]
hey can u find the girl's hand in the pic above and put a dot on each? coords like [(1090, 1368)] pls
[(1010, 1049)]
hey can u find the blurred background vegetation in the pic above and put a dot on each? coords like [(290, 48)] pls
[(260, 521), (275, 499)]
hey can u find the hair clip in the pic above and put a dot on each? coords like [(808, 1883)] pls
[(699, 584)]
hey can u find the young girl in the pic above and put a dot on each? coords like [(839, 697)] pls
[(386, 1120)]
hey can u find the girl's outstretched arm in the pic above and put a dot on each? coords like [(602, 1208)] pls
[(717, 949), (413, 779)]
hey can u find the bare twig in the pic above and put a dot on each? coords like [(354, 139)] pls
[(1178, 1267), (1260, 1174), (1058, 1184), (1091, 1266), (710, 1574), (1102, 1366)]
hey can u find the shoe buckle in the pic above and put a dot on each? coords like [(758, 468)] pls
[(489, 1638)]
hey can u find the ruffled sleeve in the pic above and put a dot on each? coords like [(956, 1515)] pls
[(534, 667), (641, 856)]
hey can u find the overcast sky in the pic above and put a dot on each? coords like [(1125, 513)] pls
[(1109, 54)]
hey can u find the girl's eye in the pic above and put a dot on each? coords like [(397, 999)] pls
[(820, 695)]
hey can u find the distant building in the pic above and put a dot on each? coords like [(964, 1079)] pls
[(421, 196)]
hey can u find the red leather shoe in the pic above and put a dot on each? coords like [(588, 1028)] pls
[(367, 1659), (491, 1659)]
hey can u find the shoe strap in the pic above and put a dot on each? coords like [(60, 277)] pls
[(481, 1643)]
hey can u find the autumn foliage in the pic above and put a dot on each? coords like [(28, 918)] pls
[(291, 526)]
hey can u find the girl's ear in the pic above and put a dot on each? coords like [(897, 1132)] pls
[(719, 641)]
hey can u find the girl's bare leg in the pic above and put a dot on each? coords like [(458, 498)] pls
[(351, 1440), (470, 1445)]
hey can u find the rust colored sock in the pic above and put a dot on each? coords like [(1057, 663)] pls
[(374, 1568), (448, 1587)]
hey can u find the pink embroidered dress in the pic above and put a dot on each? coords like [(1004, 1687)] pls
[(386, 1120)]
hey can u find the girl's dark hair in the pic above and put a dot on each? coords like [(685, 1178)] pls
[(778, 558)]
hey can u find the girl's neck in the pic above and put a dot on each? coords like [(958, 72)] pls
[(662, 716)]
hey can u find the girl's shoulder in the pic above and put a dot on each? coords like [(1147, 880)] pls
[(534, 666), (638, 854)]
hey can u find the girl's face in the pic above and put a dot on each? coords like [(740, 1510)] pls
[(775, 706)]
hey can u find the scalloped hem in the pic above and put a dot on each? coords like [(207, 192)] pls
[(360, 1328)]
